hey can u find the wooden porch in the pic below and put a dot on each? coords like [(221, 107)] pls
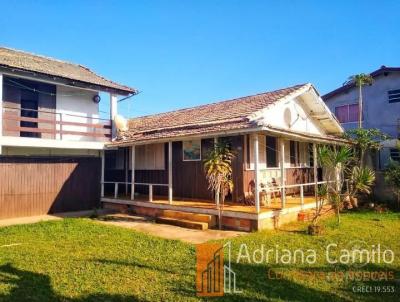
[(234, 216), (195, 205)]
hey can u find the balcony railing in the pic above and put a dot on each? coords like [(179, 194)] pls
[(24, 122)]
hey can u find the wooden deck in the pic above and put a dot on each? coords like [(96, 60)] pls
[(235, 216), (291, 202)]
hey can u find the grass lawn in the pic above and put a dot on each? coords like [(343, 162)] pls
[(82, 260)]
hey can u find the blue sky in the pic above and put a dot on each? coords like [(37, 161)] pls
[(185, 53)]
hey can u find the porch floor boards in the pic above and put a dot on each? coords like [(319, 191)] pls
[(291, 202)]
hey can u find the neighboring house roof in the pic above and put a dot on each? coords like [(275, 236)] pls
[(383, 70), (223, 116), (20, 60)]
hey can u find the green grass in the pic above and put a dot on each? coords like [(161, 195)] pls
[(82, 260)]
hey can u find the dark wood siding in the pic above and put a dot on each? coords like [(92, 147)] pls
[(37, 186), (188, 177), (12, 95)]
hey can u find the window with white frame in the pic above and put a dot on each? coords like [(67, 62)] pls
[(267, 152), (394, 96), (347, 113)]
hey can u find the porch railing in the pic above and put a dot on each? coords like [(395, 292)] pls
[(53, 125), (117, 183)]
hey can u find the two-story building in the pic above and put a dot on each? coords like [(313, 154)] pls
[(51, 134), (381, 108)]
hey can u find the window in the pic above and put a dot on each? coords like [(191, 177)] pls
[(150, 157), (311, 155), (191, 150), (347, 113), (294, 153), (395, 154), (266, 153), (272, 152), (394, 96)]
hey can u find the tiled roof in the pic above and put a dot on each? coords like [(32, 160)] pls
[(21, 60), (215, 117)]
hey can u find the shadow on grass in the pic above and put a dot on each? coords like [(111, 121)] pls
[(257, 283), (29, 286), (181, 287)]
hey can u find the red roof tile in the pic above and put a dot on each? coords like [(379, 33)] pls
[(215, 117)]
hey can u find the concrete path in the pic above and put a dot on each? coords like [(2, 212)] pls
[(148, 226)]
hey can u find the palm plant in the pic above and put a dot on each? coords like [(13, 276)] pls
[(218, 170), (335, 160), (362, 180), (360, 80)]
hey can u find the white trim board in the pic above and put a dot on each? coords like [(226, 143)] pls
[(11, 141)]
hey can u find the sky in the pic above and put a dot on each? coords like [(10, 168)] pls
[(185, 53)]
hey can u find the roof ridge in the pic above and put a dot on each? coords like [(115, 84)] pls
[(214, 122), (69, 63), (347, 85), (45, 57), (216, 102)]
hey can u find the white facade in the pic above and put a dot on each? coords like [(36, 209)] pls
[(76, 105)]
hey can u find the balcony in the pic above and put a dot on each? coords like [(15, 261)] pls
[(53, 125)]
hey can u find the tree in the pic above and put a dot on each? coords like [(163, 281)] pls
[(218, 170), (365, 140), (360, 80)]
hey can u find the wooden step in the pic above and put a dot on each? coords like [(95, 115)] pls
[(183, 223), (209, 219)]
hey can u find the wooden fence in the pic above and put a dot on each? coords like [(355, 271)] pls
[(42, 185)]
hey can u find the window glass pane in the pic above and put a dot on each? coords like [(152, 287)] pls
[(272, 152), (342, 113), (353, 113), (150, 157), (292, 153)]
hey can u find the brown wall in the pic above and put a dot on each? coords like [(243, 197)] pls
[(189, 180), (37, 186), (12, 95)]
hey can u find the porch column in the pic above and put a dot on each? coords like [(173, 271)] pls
[(283, 172), (133, 172), (1, 109), (315, 159), (126, 166), (102, 172), (170, 172), (256, 174), (113, 114)]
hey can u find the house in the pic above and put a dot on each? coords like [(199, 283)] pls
[(381, 108), (51, 134), (155, 168)]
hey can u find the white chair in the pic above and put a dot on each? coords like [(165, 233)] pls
[(273, 187)]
